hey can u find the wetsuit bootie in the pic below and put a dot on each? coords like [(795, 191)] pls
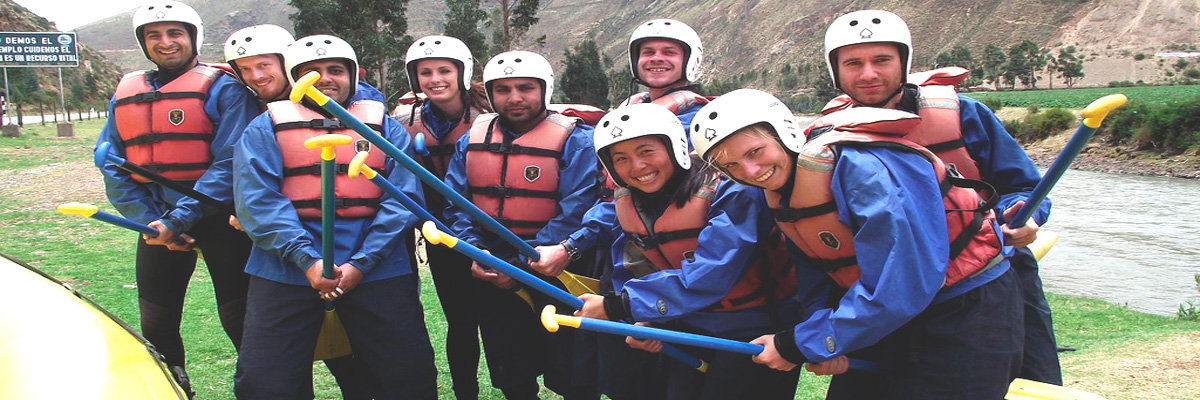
[(181, 376)]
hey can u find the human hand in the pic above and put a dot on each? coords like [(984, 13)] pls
[(770, 355), (1019, 237)]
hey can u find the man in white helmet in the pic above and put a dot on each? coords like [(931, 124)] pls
[(869, 56), (181, 120), (531, 170), (374, 285), (665, 55)]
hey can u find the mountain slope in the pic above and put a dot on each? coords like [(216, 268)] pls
[(93, 67)]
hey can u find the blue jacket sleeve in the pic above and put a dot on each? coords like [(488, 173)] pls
[(267, 215), (1002, 161), (133, 200), (230, 106), (737, 219), (392, 219), (597, 228), (456, 178), (893, 205), (576, 183)]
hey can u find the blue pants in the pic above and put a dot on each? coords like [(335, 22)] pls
[(967, 347), (384, 322), (1041, 350), (729, 376)]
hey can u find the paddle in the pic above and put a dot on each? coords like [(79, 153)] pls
[(102, 154), (332, 341), (93, 212), (552, 321), (1092, 115), (435, 236)]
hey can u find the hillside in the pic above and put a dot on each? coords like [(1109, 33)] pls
[(93, 67), (767, 34)]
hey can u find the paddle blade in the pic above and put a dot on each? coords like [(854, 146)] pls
[(579, 284), (332, 341), (80, 209), (1024, 389), (1041, 246)]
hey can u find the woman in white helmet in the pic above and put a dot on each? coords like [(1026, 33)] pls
[(691, 251), (440, 69), (927, 295)]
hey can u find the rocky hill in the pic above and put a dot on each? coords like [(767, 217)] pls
[(766, 34), (93, 67)]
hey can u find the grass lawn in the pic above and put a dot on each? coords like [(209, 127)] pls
[(1080, 98), (39, 171)]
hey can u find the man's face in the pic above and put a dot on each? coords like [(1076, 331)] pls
[(264, 74), (870, 72), (335, 78), (168, 44), (518, 100), (660, 62)]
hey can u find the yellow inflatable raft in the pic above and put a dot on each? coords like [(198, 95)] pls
[(57, 344)]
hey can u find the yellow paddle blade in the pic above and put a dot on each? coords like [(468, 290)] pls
[(359, 165), (523, 293), (332, 341), (579, 284), (1045, 240), (80, 209), (1094, 113), (1024, 389), (304, 87)]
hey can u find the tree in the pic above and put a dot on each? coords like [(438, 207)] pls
[(377, 29), (583, 79), (462, 22), (1025, 59), (1069, 66), (993, 64), (510, 22)]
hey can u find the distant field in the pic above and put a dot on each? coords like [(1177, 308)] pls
[(1079, 98)]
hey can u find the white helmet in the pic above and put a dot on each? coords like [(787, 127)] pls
[(320, 47), (867, 26), (639, 120), (168, 11), (519, 64), (439, 47), (256, 40), (738, 109), (671, 30)]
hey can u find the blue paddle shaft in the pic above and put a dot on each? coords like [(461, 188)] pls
[(125, 223), (432, 181), (545, 288), (1053, 173), (408, 202)]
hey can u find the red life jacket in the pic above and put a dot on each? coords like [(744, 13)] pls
[(677, 101), (940, 130), (166, 130), (515, 181), (674, 238), (294, 123), (809, 216), (439, 150)]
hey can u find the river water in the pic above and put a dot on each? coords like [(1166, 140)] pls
[(1125, 239)]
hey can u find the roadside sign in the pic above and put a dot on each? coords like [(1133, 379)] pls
[(38, 49)]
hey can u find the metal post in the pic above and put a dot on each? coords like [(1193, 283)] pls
[(7, 95), (61, 99)]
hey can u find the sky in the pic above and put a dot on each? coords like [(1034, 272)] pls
[(71, 14)]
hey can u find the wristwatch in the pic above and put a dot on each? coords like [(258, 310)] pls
[(572, 252)]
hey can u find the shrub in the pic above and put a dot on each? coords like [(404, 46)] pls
[(1033, 109), (1192, 73), (1118, 127), (1039, 126), (1014, 127), (993, 103), (1170, 128), (1192, 310), (1139, 56)]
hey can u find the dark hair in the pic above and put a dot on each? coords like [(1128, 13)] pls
[(699, 175)]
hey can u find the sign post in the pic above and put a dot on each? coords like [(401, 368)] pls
[(41, 49)]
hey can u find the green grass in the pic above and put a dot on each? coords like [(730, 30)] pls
[(1080, 98), (98, 258)]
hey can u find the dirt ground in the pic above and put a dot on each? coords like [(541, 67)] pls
[(1164, 369)]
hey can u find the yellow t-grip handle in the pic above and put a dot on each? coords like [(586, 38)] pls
[(1094, 113), (326, 143), (436, 236), (358, 164), (304, 87), (80, 209), (551, 320)]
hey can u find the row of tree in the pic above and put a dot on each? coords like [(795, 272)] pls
[(1021, 63)]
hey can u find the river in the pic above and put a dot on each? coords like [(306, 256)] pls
[(1125, 239)]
